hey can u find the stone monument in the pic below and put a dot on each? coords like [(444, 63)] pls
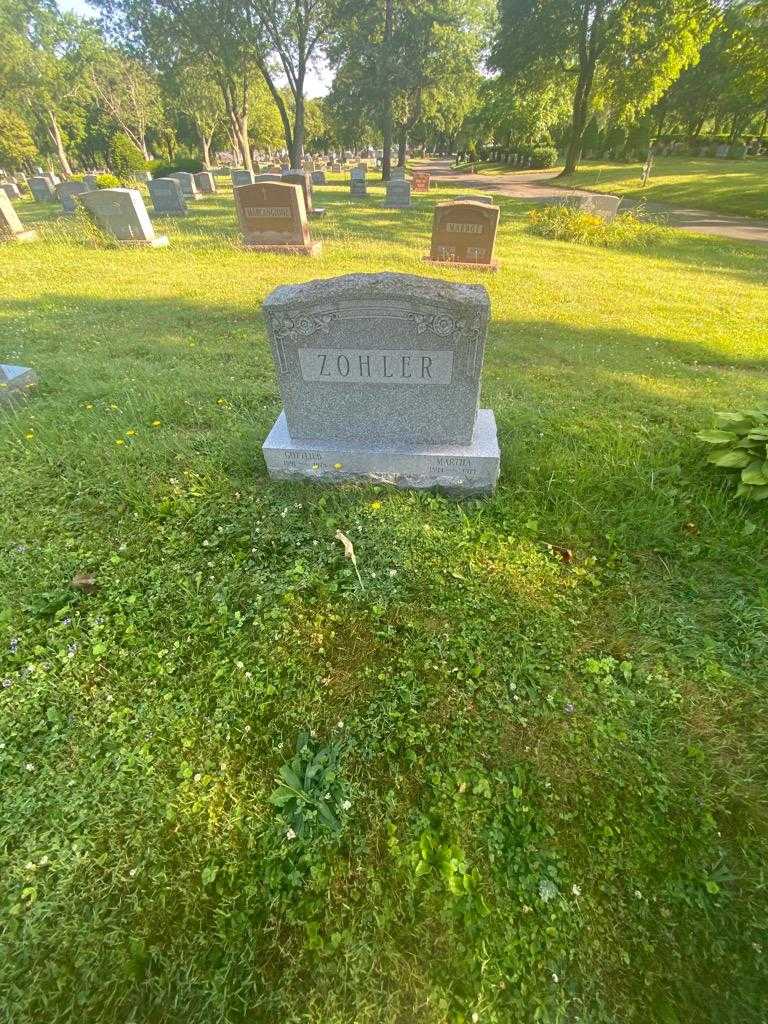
[(398, 194), (66, 191), (15, 381), (604, 206), (167, 197), (188, 185), (241, 178), (464, 233), (420, 181), (11, 228), (121, 213), (304, 179), (11, 189), (273, 218), (380, 380), (357, 187), (42, 188), (206, 183)]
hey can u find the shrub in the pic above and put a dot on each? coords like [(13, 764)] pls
[(17, 146), (737, 151), (161, 169), (740, 444), (124, 158), (107, 181), (543, 156), (568, 223)]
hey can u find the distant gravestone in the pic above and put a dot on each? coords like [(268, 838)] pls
[(90, 181), (66, 191), (15, 381), (42, 189), (188, 185), (336, 168), (464, 233), (11, 228), (601, 206), (398, 194), (304, 180), (121, 213), (206, 184), (273, 218), (397, 174), (167, 197), (318, 177), (380, 380), (420, 181), (240, 178), (475, 198), (357, 185), (11, 189), (267, 177)]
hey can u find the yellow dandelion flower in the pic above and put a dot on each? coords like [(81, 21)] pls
[(30, 435), (88, 405), (338, 466), (119, 441), (113, 406), (156, 423), (375, 504), (130, 433)]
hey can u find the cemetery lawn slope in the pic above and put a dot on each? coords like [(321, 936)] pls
[(725, 186), (546, 710)]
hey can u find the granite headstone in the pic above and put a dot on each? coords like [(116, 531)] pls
[(273, 218), (121, 213), (167, 197), (11, 228), (206, 184), (464, 233), (398, 194), (67, 190), (241, 177), (42, 188), (380, 380)]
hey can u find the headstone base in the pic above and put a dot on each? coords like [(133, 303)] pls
[(457, 469), (15, 381), (158, 242), (291, 250), (489, 268), (319, 211), (20, 236)]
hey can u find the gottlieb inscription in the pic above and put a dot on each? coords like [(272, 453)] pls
[(376, 366)]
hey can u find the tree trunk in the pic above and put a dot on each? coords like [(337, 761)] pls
[(205, 145), (402, 144), (145, 152), (387, 118), (56, 139), (588, 42), (297, 149)]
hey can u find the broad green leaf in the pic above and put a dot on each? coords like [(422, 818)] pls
[(736, 459), (712, 887), (717, 436), (758, 493), (755, 473), (290, 776)]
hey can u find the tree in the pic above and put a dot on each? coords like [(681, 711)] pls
[(128, 93), (17, 147), (403, 61), (198, 97), (626, 52), (44, 60)]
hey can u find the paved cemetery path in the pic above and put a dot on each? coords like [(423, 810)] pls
[(540, 186)]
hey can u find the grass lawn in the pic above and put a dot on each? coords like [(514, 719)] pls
[(726, 186), (548, 707)]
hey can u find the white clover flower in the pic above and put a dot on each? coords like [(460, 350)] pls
[(30, 767), (576, 890), (346, 805), (340, 724), (393, 572), (132, 872), (555, 978), (198, 776), (290, 834)]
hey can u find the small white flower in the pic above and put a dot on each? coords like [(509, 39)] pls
[(576, 890), (475, 1017), (132, 872), (340, 724), (555, 978), (290, 834), (29, 767), (638, 894), (240, 665), (393, 572), (43, 862), (198, 776), (346, 805), (249, 675), (30, 866)]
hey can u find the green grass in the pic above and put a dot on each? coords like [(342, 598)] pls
[(725, 186), (552, 767)]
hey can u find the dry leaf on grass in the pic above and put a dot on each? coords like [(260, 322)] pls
[(87, 584), (349, 552)]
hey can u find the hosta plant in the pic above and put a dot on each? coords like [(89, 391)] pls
[(740, 446)]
